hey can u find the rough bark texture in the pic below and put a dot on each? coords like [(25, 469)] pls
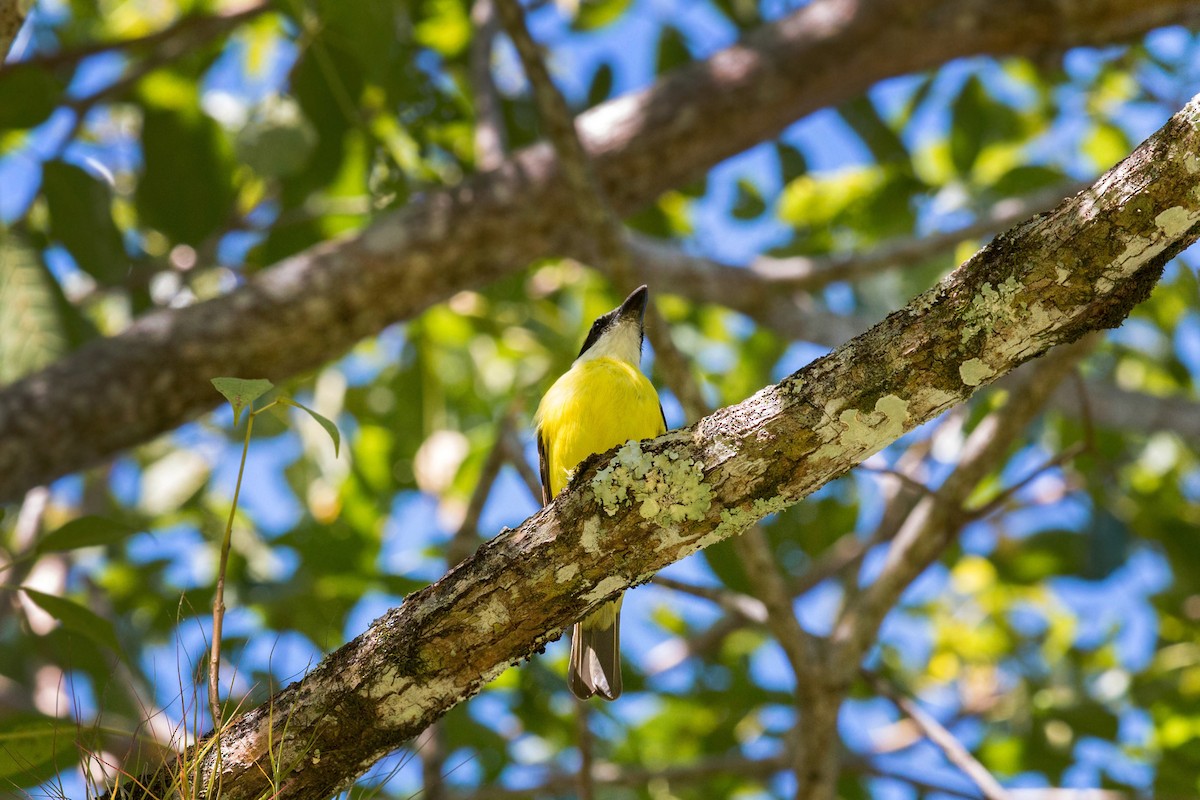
[(312, 307), (631, 512), (12, 17)]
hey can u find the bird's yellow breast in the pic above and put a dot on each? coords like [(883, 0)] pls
[(597, 404)]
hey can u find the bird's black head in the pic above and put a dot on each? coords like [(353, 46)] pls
[(632, 311)]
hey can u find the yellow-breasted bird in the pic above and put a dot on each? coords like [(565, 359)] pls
[(602, 401)]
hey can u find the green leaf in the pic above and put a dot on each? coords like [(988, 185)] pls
[(749, 202), (967, 126), (1105, 145), (792, 163), (1027, 178), (77, 618), (89, 531), (31, 330), (81, 219), (446, 29), (27, 96), (242, 392), (978, 120), (595, 14), (34, 747), (672, 50), (190, 197), (324, 422), (278, 140), (883, 142), (602, 85)]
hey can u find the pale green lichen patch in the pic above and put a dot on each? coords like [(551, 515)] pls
[(874, 431), (664, 487), (1191, 162), (991, 306), (1191, 113), (923, 302), (494, 616), (736, 519), (974, 372), (604, 588), (1174, 221), (794, 385), (565, 573), (590, 538)]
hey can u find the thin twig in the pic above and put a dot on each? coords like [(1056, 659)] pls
[(195, 28), (1059, 460), (936, 520), (904, 478), (752, 609), (466, 537), (951, 747)]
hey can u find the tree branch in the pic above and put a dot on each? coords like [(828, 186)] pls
[(192, 28), (312, 307), (12, 17), (629, 513), (490, 141), (950, 746), (765, 278), (936, 519), (774, 297)]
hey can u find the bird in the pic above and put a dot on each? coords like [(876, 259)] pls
[(602, 401)]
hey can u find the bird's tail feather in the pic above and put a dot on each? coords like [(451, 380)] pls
[(596, 660)]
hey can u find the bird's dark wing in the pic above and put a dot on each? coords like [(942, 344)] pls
[(544, 467), (664, 417)]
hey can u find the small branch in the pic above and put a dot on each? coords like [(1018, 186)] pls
[(466, 538), (194, 29), (950, 746), (516, 457), (433, 759), (12, 17), (490, 141), (749, 608), (768, 586), (899, 475), (1059, 460), (935, 520)]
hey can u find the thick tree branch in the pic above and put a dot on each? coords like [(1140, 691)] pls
[(312, 307), (193, 29), (12, 17), (772, 292), (765, 278), (937, 518), (627, 514)]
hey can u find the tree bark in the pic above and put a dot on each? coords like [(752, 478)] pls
[(636, 509), (300, 313)]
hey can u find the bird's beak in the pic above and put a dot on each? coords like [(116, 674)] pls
[(635, 305)]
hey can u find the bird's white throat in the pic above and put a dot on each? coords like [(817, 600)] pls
[(622, 341)]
